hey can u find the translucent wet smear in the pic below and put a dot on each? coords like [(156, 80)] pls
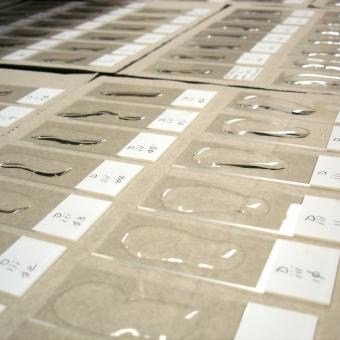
[(314, 80), (260, 102), (231, 157), (13, 203), (38, 166), (209, 200), (109, 310), (245, 126)]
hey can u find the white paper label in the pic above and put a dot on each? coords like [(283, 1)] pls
[(109, 178), (11, 114), (301, 271), (194, 98), (243, 73), (260, 322), (285, 29), (72, 217), (294, 2), (107, 60), (304, 13), (334, 139), (295, 21), (44, 44), (252, 58), (276, 38), (40, 96), (24, 262), (68, 34), (106, 18), (337, 119), (326, 173), (173, 120), (129, 49), (319, 218), (19, 55), (149, 38), (121, 11), (198, 12), (89, 25), (2, 308), (135, 5), (147, 146), (183, 20), (166, 29), (265, 47)]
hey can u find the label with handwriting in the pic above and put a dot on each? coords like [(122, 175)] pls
[(173, 120), (285, 29), (300, 270), (68, 34), (40, 96), (147, 146), (304, 13), (107, 60), (19, 54), (110, 178), (11, 114), (198, 12), (276, 38), (295, 21), (326, 173), (261, 322), (167, 29), (194, 98), (252, 58), (149, 38), (334, 139), (243, 73), (72, 217), (266, 47), (183, 19), (44, 44), (24, 262), (129, 49)]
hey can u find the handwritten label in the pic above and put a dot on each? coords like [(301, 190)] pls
[(44, 44), (166, 29), (276, 38), (334, 139), (24, 262), (265, 47), (72, 217), (149, 38), (19, 54), (295, 21), (89, 25), (285, 29), (68, 34), (252, 58), (326, 173), (11, 114), (260, 322), (183, 20), (300, 270), (243, 73), (147, 146), (304, 13), (173, 120), (319, 218), (40, 96), (129, 49), (107, 60), (109, 178), (198, 12), (194, 98)]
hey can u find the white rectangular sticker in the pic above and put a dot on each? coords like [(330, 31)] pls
[(243, 73), (304, 13), (173, 120), (183, 20), (106, 18), (19, 55), (2, 308), (149, 38), (337, 119), (129, 49), (295, 21), (107, 60), (109, 178), (252, 58), (166, 29), (121, 11), (334, 139), (265, 47), (68, 34), (198, 12), (285, 29), (44, 44), (300, 270), (89, 25), (11, 114), (326, 173), (194, 98), (72, 217), (319, 218), (147, 146), (276, 38), (40, 96), (260, 322), (135, 5), (24, 262)]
